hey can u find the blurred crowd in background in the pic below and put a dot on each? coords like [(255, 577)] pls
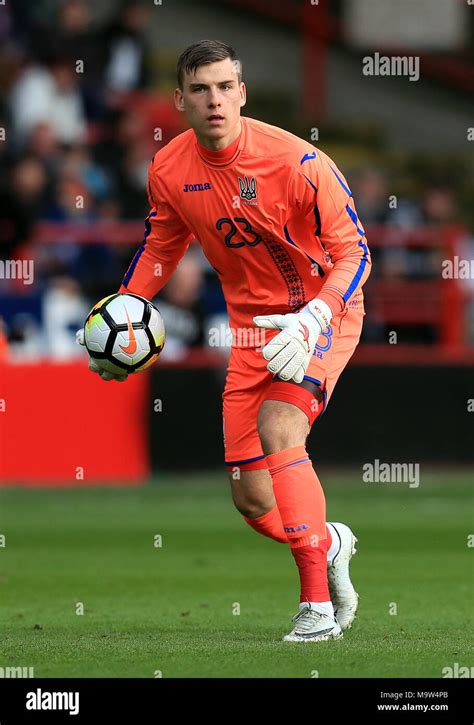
[(86, 133)]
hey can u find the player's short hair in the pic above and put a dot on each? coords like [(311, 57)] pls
[(203, 53)]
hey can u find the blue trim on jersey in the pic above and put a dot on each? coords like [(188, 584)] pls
[(248, 460), (360, 271), (365, 257), (355, 219), (311, 183), (346, 188), (317, 216), (290, 240), (317, 219), (351, 212), (131, 269)]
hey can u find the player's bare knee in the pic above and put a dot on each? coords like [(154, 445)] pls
[(249, 503), (252, 493), (251, 509), (281, 425)]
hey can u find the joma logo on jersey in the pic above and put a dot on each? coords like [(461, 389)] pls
[(248, 188), (197, 187)]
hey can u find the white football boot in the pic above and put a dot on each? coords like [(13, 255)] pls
[(313, 625), (343, 595)]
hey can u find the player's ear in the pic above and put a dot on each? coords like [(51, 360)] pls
[(243, 95), (179, 99)]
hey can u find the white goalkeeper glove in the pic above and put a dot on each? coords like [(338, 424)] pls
[(94, 365), (290, 352)]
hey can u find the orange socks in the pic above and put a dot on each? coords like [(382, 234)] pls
[(269, 525), (302, 507)]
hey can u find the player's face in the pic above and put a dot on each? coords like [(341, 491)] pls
[(211, 99)]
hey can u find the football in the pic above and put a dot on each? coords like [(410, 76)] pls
[(125, 333)]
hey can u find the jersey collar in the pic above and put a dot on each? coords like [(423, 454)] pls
[(226, 156)]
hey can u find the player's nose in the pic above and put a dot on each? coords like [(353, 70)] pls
[(213, 99)]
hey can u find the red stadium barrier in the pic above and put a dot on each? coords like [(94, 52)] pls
[(61, 425), (435, 301)]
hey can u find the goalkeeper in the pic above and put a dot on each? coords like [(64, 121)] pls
[(276, 219)]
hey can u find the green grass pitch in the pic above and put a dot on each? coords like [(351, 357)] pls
[(172, 609)]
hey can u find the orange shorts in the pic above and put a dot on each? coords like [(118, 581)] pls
[(249, 383)]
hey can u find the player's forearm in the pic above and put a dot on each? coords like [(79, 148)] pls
[(148, 273), (345, 279)]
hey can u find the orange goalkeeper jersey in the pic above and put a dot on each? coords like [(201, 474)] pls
[(274, 215)]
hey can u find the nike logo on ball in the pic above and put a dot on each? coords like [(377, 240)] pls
[(132, 345)]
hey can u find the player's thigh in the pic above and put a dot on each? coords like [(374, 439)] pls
[(281, 422), (246, 382)]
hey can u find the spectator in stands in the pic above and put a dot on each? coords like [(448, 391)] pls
[(76, 37), (27, 16), (21, 203), (126, 151), (64, 311), (126, 53), (49, 94), (42, 143), (79, 165), (438, 204), (438, 208), (25, 338), (374, 202), (69, 32)]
